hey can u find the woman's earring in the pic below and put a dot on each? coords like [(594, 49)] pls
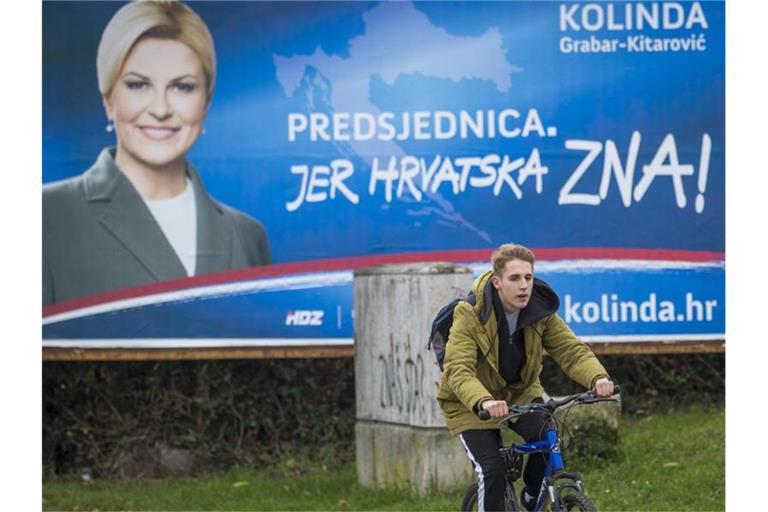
[(204, 131), (110, 126)]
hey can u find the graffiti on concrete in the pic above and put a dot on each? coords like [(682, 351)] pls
[(401, 379)]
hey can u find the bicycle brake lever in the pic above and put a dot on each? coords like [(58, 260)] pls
[(514, 412), (506, 418)]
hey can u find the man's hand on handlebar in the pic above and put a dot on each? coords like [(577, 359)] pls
[(603, 387), (496, 408)]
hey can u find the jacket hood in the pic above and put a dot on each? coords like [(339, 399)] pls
[(544, 301)]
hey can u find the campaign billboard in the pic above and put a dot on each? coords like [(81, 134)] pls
[(358, 133)]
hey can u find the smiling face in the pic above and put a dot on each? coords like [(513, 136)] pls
[(158, 103), (515, 285)]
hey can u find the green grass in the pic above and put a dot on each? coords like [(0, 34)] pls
[(674, 461), (670, 461)]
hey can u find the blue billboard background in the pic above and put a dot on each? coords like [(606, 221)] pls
[(356, 129), (659, 303)]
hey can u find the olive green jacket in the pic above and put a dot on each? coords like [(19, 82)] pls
[(471, 369)]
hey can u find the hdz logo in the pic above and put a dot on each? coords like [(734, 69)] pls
[(304, 317)]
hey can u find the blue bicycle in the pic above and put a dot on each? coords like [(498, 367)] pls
[(560, 490)]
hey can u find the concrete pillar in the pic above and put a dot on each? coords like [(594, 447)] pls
[(400, 436)]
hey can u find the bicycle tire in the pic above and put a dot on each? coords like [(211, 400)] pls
[(469, 503), (578, 502)]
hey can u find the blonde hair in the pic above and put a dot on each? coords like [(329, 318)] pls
[(163, 19), (508, 252)]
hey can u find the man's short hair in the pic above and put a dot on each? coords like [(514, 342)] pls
[(509, 252)]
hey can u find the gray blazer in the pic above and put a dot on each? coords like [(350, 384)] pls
[(99, 235)]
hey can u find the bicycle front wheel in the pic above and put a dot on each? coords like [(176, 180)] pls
[(577, 501), (469, 503)]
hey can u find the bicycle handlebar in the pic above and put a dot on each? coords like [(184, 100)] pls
[(587, 397)]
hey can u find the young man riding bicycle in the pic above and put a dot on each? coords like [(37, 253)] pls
[(494, 358)]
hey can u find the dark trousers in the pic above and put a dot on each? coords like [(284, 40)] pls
[(483, 449)]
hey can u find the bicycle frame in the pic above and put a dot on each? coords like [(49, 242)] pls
[(550, 445), (554, 467)]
